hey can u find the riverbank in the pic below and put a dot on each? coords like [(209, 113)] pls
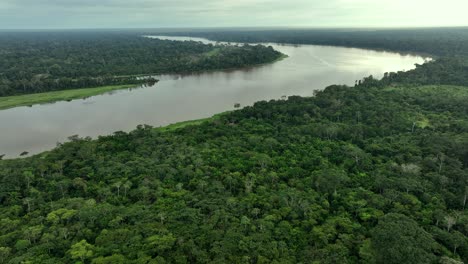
[(281, 57), (194, 122), (66, 95), (51, 97), (168, 128), (185, 97)]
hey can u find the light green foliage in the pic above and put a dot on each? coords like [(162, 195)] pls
[(21, 244), (50, 97), (114, 259), (81, 250), (4, 254), (159, 243), (60, 215)]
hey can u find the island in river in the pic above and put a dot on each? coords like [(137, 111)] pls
[(40, 62)]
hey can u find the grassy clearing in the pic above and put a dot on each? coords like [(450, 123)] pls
[(212, 53), (49, 97), (282, 57), (195, 122)]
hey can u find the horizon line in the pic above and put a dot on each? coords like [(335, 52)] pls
[(233, 27)]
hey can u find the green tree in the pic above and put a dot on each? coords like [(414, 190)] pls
[(114, 259), (398, 239), (4, 254), (81, 250), (160, 243)]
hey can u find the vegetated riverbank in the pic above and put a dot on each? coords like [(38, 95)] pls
[(345, 171), (434, 42), (168, 128), (281, 56), (64, 95), (36, 63), (50, 97), (210, 93), (195, 122)]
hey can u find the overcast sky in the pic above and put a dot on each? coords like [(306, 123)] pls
[(16, 14)]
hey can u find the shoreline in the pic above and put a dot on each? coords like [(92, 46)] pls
[(184, 73), (194, 122), (163, 129), (9, 102)]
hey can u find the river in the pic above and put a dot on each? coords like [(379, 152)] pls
[(184, 97)]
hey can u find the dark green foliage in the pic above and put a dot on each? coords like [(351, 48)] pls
[(375, 173), (398, 239), (452, 71), (40, 62), (434, 41), (446, 45), (291, 181)]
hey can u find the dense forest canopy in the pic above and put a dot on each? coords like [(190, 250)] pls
[(352, 175), (40, 62), (375, 173), (432, 41)]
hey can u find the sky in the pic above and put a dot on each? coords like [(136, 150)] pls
[(58, 14)]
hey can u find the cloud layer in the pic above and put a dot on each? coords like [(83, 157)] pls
[(230, 13)]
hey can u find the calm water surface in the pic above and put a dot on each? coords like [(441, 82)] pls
[(183, 97)]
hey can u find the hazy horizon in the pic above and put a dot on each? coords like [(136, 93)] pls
[(160, 14), (175, 29)]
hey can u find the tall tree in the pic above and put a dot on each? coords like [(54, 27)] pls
[(397, 239)]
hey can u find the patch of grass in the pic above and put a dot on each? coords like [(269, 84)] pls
[(423, 123), (49, 97), (213, 52), (195, 122), (281, 57)]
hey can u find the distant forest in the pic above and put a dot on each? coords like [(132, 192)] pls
[(41, 62), (448, 46), (439, 42)]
